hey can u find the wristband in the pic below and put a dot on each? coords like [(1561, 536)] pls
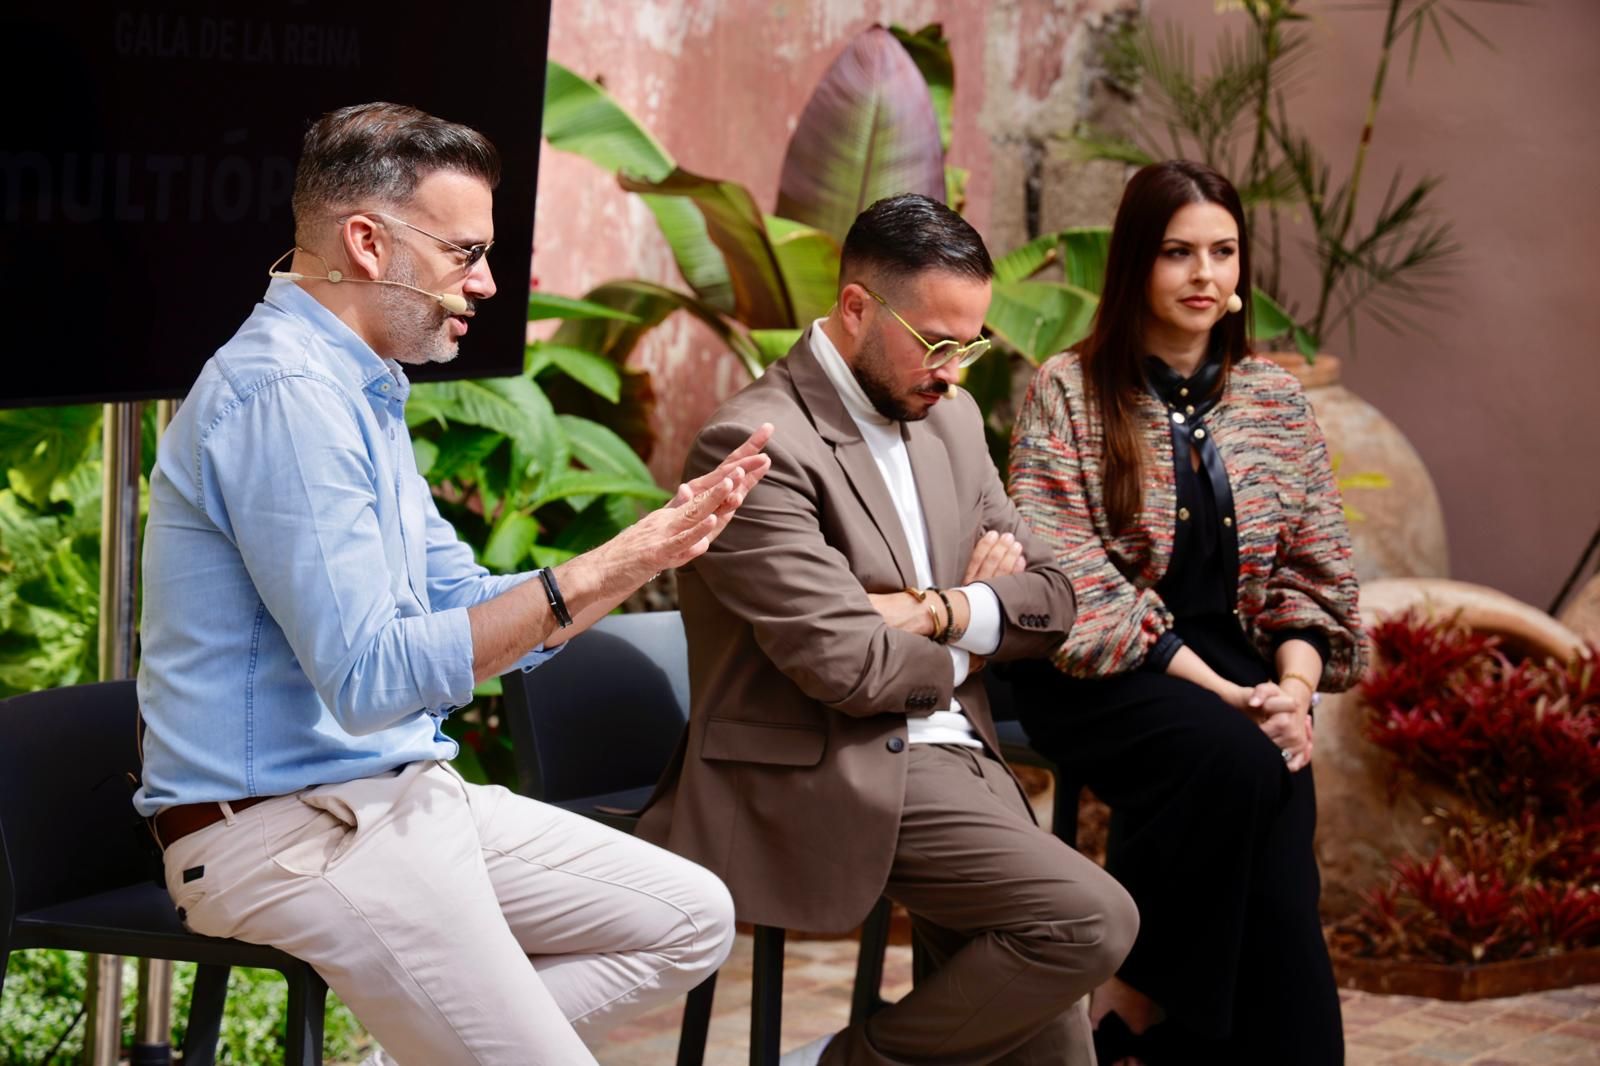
[(552, 591), (949, 618)]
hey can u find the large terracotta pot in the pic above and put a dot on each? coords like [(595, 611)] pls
[(1359, 829), (1397, 531), (1582, 612)]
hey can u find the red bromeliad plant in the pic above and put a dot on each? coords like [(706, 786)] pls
[(1518, 874)]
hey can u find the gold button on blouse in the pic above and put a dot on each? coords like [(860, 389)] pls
[(1177, 416), (1183, 514), (1183, 391), (1227, 520), (1199, 434)]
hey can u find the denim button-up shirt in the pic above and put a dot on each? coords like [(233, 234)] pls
[(305, 605)]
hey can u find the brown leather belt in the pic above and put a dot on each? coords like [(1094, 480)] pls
[(175, 823)]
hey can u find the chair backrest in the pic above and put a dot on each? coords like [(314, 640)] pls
[(67, 824), (606, 713)]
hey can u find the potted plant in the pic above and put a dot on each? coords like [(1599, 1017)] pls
[(1486, 716)]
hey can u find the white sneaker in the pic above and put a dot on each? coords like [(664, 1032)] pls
[(809, 1055)]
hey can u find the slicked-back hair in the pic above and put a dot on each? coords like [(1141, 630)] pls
[(900, 237), (378, 153)]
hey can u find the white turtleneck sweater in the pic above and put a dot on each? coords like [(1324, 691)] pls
[(883, 438)]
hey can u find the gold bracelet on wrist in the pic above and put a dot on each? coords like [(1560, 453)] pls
[(1311, 689), (933, 615)]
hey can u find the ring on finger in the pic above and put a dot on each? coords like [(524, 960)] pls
[(1286, 753)]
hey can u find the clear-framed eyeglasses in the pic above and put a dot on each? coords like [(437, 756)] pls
[(470, 257), (940, 352)]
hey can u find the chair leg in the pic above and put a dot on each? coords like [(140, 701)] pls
[(205, 1015), (766, 1005), (866, 998), (308, 998), (1064, 814), (696, 1023)]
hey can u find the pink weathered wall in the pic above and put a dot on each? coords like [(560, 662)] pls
[(722, 84), (1498, 388)]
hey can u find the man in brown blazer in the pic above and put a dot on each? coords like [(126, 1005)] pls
[(840, 744)]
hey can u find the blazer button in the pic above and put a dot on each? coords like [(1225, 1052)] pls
[(896, 745)]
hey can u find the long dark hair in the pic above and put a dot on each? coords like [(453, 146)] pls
[(1114, 350)]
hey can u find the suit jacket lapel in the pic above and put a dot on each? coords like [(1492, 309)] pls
[(936, 488), (835, 426)]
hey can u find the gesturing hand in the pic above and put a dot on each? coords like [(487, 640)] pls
[(995, 555), (683, 529)]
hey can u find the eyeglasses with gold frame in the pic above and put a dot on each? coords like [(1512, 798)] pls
[(940, 352)]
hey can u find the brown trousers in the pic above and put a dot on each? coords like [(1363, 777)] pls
[(1020, 927)]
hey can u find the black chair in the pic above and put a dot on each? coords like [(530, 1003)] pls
[(81, 871), (592, 729), (1014, 746)]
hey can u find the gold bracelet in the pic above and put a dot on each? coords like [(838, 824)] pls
[(934, 616), (1291, 676), (920, 595)]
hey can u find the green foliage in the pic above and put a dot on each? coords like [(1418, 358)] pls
[(41, 1015), (49, 547)]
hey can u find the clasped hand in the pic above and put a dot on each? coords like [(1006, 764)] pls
[(994, 555), (1284, 716)]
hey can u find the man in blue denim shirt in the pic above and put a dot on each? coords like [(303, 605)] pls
[(310, 619)]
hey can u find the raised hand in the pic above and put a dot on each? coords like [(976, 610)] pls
[(682, 530)]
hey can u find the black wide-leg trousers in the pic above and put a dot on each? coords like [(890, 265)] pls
[(1212, 836)]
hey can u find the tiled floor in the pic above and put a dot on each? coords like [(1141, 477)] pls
[(1549, 1027)]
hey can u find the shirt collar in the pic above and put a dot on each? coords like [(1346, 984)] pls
[(1196, 393), (843, 378), (360, 366)]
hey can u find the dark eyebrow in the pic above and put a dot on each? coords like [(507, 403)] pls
[(1189, 244)]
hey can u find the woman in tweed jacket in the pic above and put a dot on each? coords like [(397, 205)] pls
[(1187, 491)]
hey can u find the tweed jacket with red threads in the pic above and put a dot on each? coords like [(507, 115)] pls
[(1295, 566)]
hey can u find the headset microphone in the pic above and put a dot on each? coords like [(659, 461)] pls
[(455, 305)]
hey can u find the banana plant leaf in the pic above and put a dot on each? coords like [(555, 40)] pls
[(544, 305), (1080, 251), (868, 131), (775, 343), (734, 224), (582, 118), (594, 372), (809, 260), (1040, 318), (930, 51), (649, 304)]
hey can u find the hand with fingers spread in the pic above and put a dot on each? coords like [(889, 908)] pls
[(685, 527), (995, 555)]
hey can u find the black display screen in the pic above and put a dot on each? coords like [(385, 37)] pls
[(147, 160)]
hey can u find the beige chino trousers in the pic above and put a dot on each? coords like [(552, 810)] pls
[(460, 923)]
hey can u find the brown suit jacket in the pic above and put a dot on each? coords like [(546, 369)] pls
[(791, 777)]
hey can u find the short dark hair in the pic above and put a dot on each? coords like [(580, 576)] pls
[(381, 151), (902, 236)]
